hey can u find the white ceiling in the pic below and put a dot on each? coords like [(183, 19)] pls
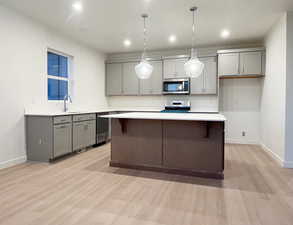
[(104, 24)]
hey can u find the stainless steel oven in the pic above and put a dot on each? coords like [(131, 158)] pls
[(176, 86)]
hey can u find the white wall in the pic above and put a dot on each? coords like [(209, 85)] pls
[(23, 81), (198, 103), (289, 93), (274, 91), (240, 103)]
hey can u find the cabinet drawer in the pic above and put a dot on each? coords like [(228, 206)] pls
[(84, 117), (92, 116), (62, 119)]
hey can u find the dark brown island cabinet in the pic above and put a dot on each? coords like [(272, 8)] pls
[(187, 144)]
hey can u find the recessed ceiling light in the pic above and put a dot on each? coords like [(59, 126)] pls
[(172, 38), (127, 43), (225, 33), (77, 6)]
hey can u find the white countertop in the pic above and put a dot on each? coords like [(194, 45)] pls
[(101, 110), (169, 116), (76, 112)]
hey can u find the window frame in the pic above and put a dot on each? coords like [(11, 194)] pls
[(68, 79)]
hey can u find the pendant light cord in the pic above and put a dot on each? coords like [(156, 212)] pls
[(193, 52), (145, 36), (193, 29)]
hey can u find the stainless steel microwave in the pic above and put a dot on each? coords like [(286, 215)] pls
[(176, 86)]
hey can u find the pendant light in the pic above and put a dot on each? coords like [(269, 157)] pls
[(193, 67), (144, 69)]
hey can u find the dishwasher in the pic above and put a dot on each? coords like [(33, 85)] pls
[(103, 131)]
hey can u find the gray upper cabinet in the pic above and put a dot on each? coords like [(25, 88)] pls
[(130, 80), (169, 68), (153, 85), (174, 68), (62, 139), (250, 63), (228, 64), (207, 82), (241, 62), (114, 79), (180, 72)]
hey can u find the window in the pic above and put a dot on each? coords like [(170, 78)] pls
[(58, 74)]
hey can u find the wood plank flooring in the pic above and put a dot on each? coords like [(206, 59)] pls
[(84, 190)]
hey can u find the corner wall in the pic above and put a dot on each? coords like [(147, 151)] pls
[(23, 80), (240, 103), (273, 101), (289, 93)]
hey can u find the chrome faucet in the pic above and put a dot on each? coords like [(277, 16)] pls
[(66, 99)]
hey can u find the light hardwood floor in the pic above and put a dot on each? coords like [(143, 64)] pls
[(84, 190)]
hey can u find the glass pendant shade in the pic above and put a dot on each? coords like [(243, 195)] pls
[(144, 70), (193, 67)]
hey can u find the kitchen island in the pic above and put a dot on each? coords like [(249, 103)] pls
[(181, 143)]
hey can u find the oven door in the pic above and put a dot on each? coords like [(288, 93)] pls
[(176, 86)]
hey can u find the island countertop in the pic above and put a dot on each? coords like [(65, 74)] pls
[(169, 116)]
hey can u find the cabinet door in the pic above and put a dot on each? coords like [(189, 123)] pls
[(157, 78), (197, 85), (169, 69), (228, 64), (79, 135), (62, 139), (114, 79), (130, 80), (207, 82), (153, 86), (250, 63), (91, 133), (180, 72), (210, 76)]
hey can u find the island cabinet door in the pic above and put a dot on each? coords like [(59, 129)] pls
[(193, 146), (136, 142)]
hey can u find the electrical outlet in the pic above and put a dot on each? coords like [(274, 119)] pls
[(243, 133)]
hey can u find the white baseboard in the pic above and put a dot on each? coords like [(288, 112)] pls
[(12, 162), (241, 142), (288, 164), (276, 157)]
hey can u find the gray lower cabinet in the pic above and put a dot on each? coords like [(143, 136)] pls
[(49, 137), (62, 139), (84, 131)]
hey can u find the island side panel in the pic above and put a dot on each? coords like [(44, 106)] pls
[(194, 146), (136, 142)]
